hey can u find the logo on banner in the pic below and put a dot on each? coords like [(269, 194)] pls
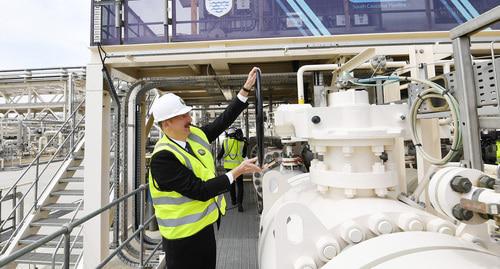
[(218, 8)]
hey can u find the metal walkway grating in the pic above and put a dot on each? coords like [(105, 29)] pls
[(238, 235)]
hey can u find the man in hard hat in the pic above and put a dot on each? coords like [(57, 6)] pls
[(187, 195), (234, 150)]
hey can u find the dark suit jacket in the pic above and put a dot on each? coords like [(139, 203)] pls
[(171, 175)]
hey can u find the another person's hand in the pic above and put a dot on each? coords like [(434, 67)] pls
[(247, 166)]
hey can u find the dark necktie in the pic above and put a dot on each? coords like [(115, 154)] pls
[(189, 149)]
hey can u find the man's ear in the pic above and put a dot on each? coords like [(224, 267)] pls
[(164, 124)]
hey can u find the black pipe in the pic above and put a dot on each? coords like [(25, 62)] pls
[(116, 101), (259, 118)]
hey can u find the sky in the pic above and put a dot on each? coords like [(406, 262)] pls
[(44, 33)]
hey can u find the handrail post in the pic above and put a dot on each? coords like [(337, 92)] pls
[(72, 115), (14, 202), (20, 214), (36, 182), (141, 237), (1, 207), (67, 244)]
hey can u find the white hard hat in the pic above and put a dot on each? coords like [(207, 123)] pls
[(168, 106)]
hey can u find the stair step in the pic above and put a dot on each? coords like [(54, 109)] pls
[(68, 192), (62, 206), (55, 222), (71, 179), (45, 259), (74, 168), (4, 237), (35, 237)]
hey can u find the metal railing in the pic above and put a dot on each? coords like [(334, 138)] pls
[(36, 164), (67, 228), (16, 215), (80, 203), (466, 85)]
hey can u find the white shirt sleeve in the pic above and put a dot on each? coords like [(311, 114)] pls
[(242, 98), (230, 177)]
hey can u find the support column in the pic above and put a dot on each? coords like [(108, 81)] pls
[(466, 95), (96, 185), (419, 57)]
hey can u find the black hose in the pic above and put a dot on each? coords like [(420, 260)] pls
[(116, 102), (259, 119), (129, 249)]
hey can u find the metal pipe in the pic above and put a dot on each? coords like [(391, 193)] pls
[(14, 196), (280, 48), (116, 103), (70, 108), (37, 177), (61, 240), (1, 210), (20, 214), (55, 253), (305, 68), (331, 67), (67, 243), (141, 228), (152, 253), (467, 99), (101, 265), (259, 119), (132, 99), (476, 24)]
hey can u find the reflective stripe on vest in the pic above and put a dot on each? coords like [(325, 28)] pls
[(200, 141), (177, 200), (187, 219), (179, 216), (186, 159)]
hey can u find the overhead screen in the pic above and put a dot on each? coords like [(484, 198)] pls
[(238, 19)]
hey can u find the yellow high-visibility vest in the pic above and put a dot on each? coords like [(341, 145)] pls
[(233, 152), (179, 216), (498, 151)]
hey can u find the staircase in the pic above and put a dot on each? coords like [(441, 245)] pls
[(60, 203)]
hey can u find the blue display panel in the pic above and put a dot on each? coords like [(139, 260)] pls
[(144, 21), (239, 19)]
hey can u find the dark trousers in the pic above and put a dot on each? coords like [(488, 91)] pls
[(237, 181), (198, 251)]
